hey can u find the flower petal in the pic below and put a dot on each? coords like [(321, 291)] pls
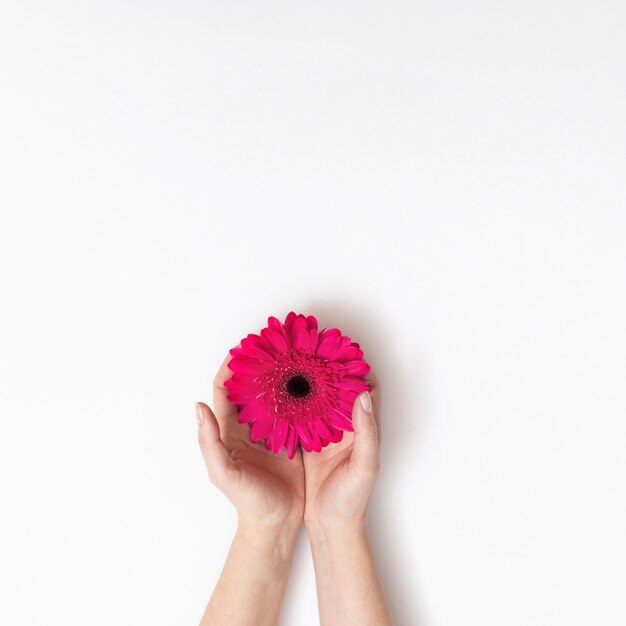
[(352, 384), (337, 436), (299, 325), (281, 430), (316, 444), (357, 368), (292, 442), (249, 366), (349, 353), (251, 345), (274, 324), (239, 382), (305, 436), (321, 429), (329, 343), (311, 322), (314, 337), (251, 412), (275, 339), (261, 428), (241, 392), (302, 341), (289, 320), (345, 400), (340, 420)]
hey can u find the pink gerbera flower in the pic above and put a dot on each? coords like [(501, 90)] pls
[(296, 385)]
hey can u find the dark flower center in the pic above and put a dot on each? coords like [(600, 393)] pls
[(298, 386)]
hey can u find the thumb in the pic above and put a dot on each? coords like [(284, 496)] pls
[(214, 452), (365, 451)]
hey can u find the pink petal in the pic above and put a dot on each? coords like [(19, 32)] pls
[(316, 444), (340, 420), (251, 345), (357, 368), (305, 436), (241, 419), (349, 353), (337, 436), (299, 324), (261, 428), (334, 435), (234, 397), (275, 340), (274, 324), (242, 389), (329, 343), (311, 322), (289, 320), (281, 430), (292, 442), (241, 382), (302, 340), (335, 366), (345, 401), (251, 412), (321, 429), (345, 341), (353, 384), (249, 366), (314, 336)]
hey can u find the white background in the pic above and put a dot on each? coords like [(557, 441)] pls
[(442, 180)]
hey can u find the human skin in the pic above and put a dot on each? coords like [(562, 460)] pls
[(268, 492)]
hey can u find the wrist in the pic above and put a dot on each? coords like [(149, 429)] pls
[(262, 532), (334, 529), (333, 543), (285, 517), (272, 543), (269, 526)]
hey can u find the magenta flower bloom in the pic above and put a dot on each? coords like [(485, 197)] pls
[(296, 385)]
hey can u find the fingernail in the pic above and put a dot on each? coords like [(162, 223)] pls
[(199, 413), (366, 402)]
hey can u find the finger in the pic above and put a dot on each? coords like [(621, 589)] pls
[(216, 457), (223, 407), (374, 384), (365, 450)]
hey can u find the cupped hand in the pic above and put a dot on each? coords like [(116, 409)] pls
[(265, 488), (340, 479)]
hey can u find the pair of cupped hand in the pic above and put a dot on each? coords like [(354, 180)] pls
[(331, 487)]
